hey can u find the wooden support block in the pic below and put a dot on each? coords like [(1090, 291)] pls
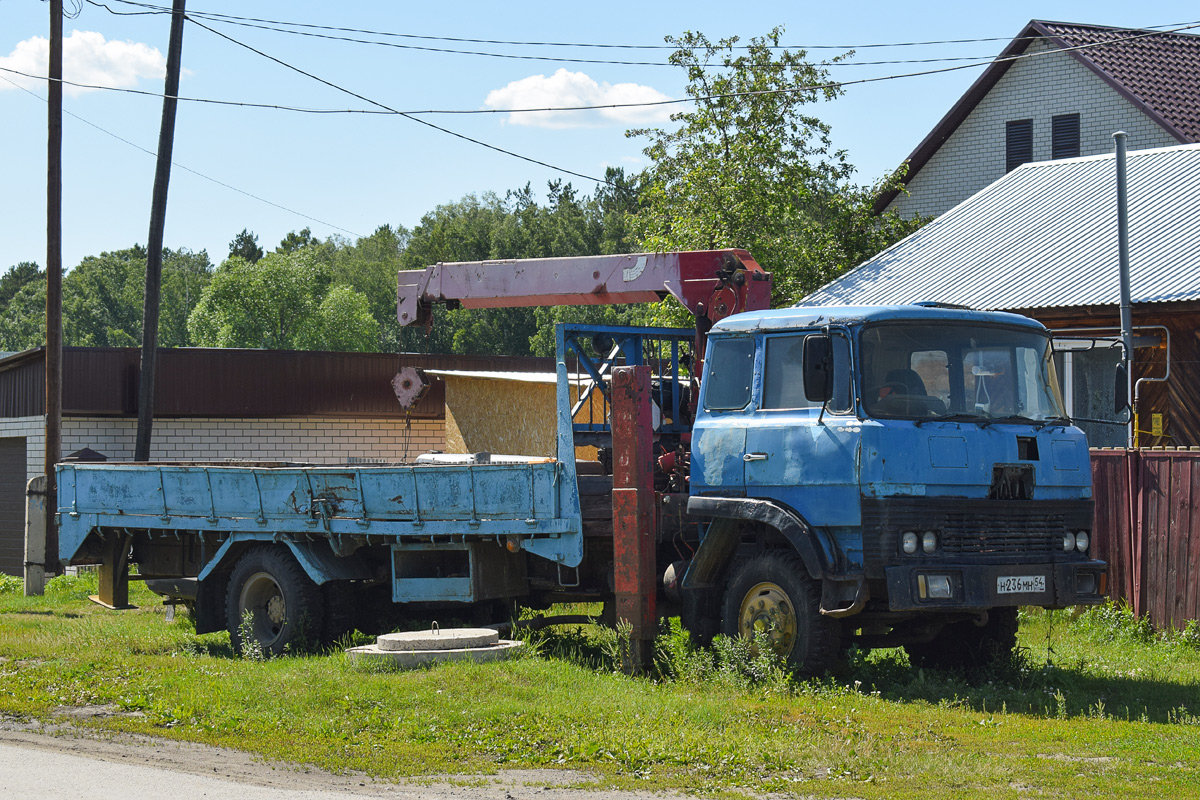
[(114, 572)]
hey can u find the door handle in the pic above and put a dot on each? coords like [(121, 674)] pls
[(754, 457)]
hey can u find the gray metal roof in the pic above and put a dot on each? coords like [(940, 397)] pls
[(1045, 235)]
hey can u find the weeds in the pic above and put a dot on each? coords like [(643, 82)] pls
[(252, 649), (11, 584)]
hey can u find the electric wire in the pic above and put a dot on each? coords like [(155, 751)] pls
[(385, 110), (186, 168), (273, 25), (412, 117), (158, 9)]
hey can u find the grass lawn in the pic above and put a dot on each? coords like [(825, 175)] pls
[(1096, 704)]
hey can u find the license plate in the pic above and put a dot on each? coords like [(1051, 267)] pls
[(1021, 584)]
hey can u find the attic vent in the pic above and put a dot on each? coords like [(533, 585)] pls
[(1064, 136), (1018, 143)]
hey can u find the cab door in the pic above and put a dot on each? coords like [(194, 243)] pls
[(719, 434), (796, 452)]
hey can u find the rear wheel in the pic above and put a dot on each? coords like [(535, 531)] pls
[(272, 602), (965, 645), (772, 594)]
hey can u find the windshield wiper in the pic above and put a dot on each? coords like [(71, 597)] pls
[(1064, 421)]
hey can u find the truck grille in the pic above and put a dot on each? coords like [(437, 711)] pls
[(987, 529)]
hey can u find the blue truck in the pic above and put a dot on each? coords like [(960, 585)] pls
[(823, 477)]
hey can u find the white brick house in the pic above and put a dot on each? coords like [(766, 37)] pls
[(1058, 90)]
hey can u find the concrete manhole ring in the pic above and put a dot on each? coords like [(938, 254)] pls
[(437, 639)]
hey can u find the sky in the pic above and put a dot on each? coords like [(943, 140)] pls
[(273, 171)]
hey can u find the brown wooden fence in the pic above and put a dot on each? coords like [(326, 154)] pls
[(1148, 530)]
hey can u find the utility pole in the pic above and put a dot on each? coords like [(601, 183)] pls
[(154, 244), (53, 283)]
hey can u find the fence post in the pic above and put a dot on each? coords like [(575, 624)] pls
[(35, 536), (1137, 526)]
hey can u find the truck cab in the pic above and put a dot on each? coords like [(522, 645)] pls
[(899, 475)]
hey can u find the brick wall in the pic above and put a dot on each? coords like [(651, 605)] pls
[(1039, 87), (313, 440)]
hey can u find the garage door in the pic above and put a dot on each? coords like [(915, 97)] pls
[(12, 505)]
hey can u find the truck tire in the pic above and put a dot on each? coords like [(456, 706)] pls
[(965, 645), (284, 604), (773, 594)]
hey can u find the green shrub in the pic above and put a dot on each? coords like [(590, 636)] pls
[(77, 587)]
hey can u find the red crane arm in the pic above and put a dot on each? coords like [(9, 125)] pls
[(712, 284)]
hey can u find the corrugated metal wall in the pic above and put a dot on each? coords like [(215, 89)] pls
[(1153, 552), (201, 382)]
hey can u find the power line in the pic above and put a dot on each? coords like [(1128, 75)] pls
[(386, 110), (157, 9), (181, 166), (272, 25), (416, 119)]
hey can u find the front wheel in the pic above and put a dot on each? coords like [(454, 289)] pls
[(272, 602), (772, 594)]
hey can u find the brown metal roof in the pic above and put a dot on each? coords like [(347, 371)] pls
[(1156, 71), (213, 382)]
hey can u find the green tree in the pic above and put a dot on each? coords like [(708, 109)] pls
[(245, 246), (749, 167), (103, 297), (370, 266), (283, 302), (16, 278), (23, 322), (22, 307)]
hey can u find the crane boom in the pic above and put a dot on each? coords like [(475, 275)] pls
[(711, 284)]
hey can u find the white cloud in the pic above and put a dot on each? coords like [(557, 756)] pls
[(87, 58), (565, 88)]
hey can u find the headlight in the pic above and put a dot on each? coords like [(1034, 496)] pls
[(909, 543), (1068, 542), (1081, 541), (929, 541), (939, 587)]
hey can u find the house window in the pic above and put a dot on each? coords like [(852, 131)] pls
[(1064, 136), (1018, 143)]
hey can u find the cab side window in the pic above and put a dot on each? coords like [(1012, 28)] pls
[(730, 374), (783, 379), (843, 396)]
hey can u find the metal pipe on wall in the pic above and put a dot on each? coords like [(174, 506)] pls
[(1123, 261)]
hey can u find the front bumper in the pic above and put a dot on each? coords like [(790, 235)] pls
[(974, 586)]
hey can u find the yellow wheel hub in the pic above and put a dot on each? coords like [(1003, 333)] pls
[(766, 609)]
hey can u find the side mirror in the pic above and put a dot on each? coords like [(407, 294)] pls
[(818, 367), (1121, 390)]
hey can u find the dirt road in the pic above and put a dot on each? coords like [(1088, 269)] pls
[(62, 761)]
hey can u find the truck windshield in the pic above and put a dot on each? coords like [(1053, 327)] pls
[(963, 372)]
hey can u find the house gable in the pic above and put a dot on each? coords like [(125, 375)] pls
[(1145, 83), (1040, 87)]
